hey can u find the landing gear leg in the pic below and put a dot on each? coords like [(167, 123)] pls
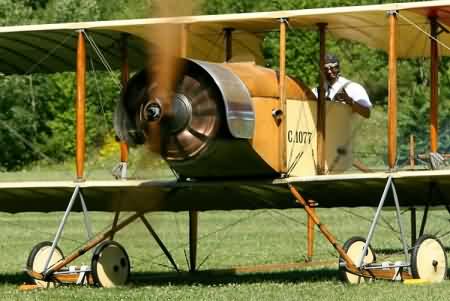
[(193, 237)]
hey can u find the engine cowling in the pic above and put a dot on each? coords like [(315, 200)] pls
[(212, 129)]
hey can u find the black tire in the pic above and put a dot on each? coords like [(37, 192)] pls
[(110, 264), (428, 259), (349, 245)]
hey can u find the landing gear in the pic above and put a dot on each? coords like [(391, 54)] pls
[(110, 264), (428, 259), (38, 257), (354, 248)]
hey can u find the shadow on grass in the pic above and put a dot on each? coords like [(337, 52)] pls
[(14, 278), (389, 251), (212, 277), (225, 277), (205, 277)]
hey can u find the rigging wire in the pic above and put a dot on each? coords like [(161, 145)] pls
[(230, 225), (25, 141), (44, 58), (102, 58), (99, 95), (423, 31)]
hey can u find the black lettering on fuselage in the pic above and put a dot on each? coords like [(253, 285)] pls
[(303, 137)]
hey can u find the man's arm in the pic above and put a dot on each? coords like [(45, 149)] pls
[(360, 109), (356, 106)]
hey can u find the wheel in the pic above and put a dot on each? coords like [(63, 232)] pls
[(110, 264), (39, 256), (354, 247), (428, 260)]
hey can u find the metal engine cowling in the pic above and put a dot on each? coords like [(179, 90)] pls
[(210, 128)]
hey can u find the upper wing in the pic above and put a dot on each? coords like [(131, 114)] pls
[(52, 48)]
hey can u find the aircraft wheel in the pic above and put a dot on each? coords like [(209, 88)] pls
[(354, 247), (110, 264), (39, 256), (428, 260)]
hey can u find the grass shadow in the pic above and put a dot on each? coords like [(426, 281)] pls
[(390, 251), (14, 278), (220, 277), (211, 277)]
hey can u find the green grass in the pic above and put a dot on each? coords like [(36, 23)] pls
[(226, 239)]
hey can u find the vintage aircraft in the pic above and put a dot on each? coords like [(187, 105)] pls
[(221, 107)]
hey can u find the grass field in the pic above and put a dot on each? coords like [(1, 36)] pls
[(227, 239)]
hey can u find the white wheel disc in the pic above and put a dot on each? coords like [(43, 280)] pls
[(354, 248), (110, 265), (429, 261), (38, 258)]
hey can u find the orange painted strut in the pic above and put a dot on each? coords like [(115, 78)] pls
[(282, 87), (80, 105), (392, 91), (125, 73)]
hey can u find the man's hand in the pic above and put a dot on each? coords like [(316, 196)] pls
[(343, 96)]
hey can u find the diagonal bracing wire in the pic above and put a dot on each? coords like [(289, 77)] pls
[(102, 58), (25, 141), (44, 58)]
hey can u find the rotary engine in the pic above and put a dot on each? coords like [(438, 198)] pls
[(224, 119)]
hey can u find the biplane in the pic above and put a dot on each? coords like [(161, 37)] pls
[(238, 135)]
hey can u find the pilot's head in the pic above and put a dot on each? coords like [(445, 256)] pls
[(331, 67)]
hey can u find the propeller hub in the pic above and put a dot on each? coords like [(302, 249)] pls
[(181, 114), (152, 111)]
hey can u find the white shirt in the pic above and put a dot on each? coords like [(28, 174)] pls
[(354, 90)]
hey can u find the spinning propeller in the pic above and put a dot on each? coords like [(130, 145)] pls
[(172, 106)]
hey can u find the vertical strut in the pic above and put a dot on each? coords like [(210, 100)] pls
[(424, 220), (193, 237), (412, 155), (413, 226), (80, 105), (321, 122), (392, 91), (282, 92), (125, 73), (434, 92), (228, 40)]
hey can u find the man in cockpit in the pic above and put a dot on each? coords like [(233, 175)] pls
[(338, 88)]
